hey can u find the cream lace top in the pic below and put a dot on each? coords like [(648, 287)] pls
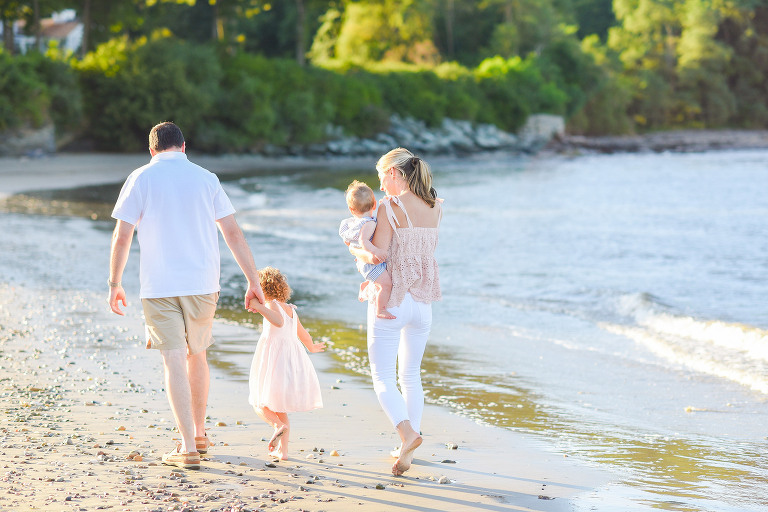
[(411, 259)]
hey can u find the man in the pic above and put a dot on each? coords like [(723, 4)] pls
[(176, 207)]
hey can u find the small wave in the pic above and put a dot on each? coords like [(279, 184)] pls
[(286, 234), (697, 357), (733, 351), (650, 313)]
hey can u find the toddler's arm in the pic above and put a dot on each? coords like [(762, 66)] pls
[(306, 339), (267, 311), (366, 232)]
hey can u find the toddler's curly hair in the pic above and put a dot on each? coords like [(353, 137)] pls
[(274, 284)]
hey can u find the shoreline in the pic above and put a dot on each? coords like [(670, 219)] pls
[(81, 394), (73, 169), (85, 421), (676, 141)]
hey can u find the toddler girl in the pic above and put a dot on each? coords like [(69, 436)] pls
[(282, 377)]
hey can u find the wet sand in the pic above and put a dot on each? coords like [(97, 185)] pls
[(84, 419)]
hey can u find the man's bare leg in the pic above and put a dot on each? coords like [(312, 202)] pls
[(199, 382), (179, 395)]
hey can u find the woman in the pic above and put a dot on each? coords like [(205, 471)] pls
[(407, 228)]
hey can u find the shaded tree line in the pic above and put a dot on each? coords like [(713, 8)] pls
[(608, 66)]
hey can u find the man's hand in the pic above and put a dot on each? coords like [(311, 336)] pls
[(253, 292), (116, 295)]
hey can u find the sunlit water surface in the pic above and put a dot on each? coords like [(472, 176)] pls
[(613, 305)]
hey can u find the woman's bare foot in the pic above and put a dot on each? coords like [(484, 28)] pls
[(383, 313), (403, 462)]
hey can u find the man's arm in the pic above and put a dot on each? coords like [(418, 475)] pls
[(236, 242), (118, 257)]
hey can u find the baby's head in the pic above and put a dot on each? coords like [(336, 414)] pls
[(274, 285), (360, 198)]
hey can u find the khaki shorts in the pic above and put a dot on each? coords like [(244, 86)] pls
[(180, 322)]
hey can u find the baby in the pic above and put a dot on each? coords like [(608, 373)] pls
[(358, 231)]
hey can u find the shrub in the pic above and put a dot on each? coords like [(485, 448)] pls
[(66, 100), (133, 86), (24, 98), (515, 88)]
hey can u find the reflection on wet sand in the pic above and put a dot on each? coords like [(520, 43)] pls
[(663, 471), (663, 466)]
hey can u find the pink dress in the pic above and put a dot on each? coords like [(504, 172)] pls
[(282, 376)]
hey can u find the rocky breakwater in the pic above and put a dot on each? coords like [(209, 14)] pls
[(28, 141), (450, 138), (682, 141)]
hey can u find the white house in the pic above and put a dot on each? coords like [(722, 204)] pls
[(62, 28)]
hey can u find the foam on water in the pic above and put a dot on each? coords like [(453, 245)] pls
[(731, 351)]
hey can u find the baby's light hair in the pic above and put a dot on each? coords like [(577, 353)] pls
[(360, 197), (274, 285)]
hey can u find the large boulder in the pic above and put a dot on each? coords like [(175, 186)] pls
[(539, 129), (28, 141)]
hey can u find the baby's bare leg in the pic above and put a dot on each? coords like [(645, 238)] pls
[(383, 292)]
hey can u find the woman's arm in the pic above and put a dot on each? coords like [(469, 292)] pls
[(268, 311), (306, 339)]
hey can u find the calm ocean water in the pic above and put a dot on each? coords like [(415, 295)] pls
[(613, 305)]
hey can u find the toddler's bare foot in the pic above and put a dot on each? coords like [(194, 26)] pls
[(280, 452), (279, 432), (383, 313), (403, 463)]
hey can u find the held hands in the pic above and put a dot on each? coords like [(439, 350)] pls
[(253, 293), (254, 306)]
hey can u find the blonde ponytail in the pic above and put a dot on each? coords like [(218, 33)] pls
[(416, 172)]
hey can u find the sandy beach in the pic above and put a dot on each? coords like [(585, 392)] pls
[(85, 419)]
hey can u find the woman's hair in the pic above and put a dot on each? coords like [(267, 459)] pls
[(415, 171), (274, 285), (360, 197)]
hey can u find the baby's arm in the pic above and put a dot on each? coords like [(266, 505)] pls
[(366, 232), (268, 311), (306, 339)]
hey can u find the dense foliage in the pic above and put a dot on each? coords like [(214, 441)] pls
[(238, 74)]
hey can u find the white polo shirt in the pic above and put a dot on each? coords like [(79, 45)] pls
[(174, 205)]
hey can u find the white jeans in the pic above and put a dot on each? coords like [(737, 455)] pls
[(402, 341)]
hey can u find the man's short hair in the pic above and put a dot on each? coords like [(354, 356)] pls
[(165, 136)]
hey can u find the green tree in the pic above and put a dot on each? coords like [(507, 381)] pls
[(10, 11), (703, 62), (395, 30), (594, 17)]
